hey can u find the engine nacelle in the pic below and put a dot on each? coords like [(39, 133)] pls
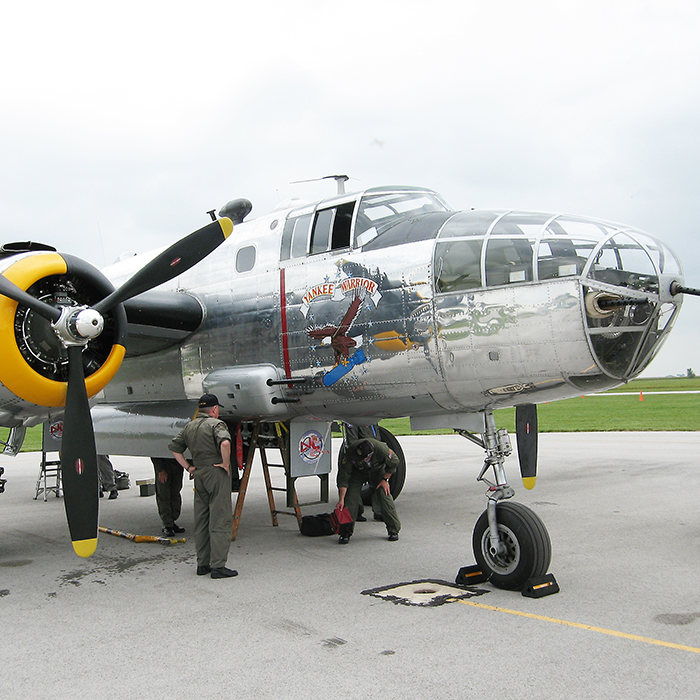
[(33, 361)]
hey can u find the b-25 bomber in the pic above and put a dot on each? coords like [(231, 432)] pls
[(363, 306)]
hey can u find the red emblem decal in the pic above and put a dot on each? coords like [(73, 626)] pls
[(79, 466), (311, 446), (175, 262)]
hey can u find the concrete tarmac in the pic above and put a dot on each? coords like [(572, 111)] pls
[(135, 621)]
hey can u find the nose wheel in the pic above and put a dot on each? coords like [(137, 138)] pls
[(511, 544), (524, 551)]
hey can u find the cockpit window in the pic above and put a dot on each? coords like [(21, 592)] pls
[(378, 212), (295, 237), (331, 229)]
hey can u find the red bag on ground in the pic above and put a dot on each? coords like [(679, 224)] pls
[(340, 517)]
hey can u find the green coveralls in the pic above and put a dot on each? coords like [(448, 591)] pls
[(168, 496), (353, 476), (213, 516)]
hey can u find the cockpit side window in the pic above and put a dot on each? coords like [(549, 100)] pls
[(340, 237), (331, 229), (320, 234), (295, 236)]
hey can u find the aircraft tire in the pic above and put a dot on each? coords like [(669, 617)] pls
[(529, 550)]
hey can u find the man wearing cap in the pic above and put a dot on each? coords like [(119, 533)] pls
[(368, 460), (209, 443)]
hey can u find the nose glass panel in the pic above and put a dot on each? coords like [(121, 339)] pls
[(624, 339)]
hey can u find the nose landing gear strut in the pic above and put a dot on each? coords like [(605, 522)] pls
[(510, 542)]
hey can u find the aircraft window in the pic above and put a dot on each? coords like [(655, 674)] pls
[(385, 209), (294, 237), (663, 258), (579, 229), (342, 225), (300, 237), (322, 230), (331, 229), (623, 261), (458, 265), (378, 212), (508, 260), (521, 224), (245, 259), (657, 328), (469, 223), (562, 257), (410, 230)]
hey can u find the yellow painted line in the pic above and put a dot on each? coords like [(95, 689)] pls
[(590, 628)]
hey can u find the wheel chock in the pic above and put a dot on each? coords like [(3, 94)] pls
[(540, 586), (471, 575)]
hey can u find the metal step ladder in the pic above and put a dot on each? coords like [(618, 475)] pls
[(49, 477), (261, 445)]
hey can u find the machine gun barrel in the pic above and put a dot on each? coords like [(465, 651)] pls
[(679, 289), (615, 303)]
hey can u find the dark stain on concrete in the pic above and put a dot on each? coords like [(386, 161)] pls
[(677, 618)]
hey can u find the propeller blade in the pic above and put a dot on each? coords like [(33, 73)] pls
[(12, 291), (79, 460), (178, 258), (526, 433)]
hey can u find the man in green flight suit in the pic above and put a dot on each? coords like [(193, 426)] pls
[(368, 460), (209, 442)]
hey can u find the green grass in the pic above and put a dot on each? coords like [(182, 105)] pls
[(581, 414), (607, 413)]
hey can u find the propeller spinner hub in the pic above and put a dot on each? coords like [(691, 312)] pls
[(78, 325), (89, 323)]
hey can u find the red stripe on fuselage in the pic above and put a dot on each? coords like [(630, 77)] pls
[(283, 314)]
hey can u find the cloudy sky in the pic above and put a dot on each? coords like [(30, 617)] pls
[(122, 124)]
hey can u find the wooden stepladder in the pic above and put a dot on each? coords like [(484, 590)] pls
[(261, 445)]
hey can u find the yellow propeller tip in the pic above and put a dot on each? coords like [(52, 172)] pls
[(85, 548), (529, 482), (226, 226)]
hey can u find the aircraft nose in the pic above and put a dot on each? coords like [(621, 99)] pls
[(629, 306)]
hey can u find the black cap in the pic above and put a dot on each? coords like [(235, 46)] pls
[(363, 448), (208, 401)]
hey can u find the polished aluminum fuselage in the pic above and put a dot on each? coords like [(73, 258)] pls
[(408, 349), (424, 354)]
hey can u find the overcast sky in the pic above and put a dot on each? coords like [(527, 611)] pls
[(122, 124)]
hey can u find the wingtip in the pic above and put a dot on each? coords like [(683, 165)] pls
[(85, 548)]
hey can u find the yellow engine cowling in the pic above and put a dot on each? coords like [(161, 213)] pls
[(29, 365)]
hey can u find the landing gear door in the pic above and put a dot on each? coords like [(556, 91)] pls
[(309, 448)]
